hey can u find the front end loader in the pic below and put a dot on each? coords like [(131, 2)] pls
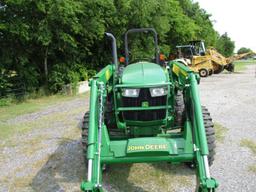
[(145, 111), (203, 61)]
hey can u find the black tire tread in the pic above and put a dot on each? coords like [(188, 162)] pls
[(219, 70), (85, 126), (207, 72), (179, 109), (210, 134), (113, 132)]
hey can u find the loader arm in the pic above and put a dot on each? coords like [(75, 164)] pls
[(97, 128), (239, 56), (186, 78)]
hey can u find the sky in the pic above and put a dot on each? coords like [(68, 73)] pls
[(237, 18)]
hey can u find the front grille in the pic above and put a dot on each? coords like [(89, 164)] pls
[(148, 115)]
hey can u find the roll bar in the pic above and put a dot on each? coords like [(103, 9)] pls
[(141, 30)]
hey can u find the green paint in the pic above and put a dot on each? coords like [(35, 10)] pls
[(151, 140), (143, 73), (144, 104)]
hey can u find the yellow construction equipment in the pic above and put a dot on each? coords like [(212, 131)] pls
[(206, 62)]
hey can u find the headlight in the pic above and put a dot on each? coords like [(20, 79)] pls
[(158, 91), (130, 92)]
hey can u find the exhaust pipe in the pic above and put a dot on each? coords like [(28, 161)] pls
[(114, 49)]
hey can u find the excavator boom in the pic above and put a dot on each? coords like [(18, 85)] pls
[(239, 56)]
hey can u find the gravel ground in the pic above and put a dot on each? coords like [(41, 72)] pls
[(231, 99), (48, 158)]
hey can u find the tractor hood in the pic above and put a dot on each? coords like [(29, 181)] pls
[(144, 73)]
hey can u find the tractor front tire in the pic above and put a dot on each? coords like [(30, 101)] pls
[(85, 126), (179, 109), (210, 134), (203, 72)]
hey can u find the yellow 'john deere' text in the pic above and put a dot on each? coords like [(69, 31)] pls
[(147, 147)]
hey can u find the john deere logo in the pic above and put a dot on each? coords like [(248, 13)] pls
[(144, 104), (148, 147)]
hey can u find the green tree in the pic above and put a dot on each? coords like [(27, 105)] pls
[(51, 43), (37, 35), (225, 45), (204, 27), (182, 27), (243, 50)]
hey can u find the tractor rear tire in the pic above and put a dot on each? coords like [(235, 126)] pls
[(230, 67), (203, 72), (210, 72), (219, 70), (210, 134)]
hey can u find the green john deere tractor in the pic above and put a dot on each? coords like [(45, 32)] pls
[(145, 111)]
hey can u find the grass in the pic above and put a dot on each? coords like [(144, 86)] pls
[(249, 144), (43, 122), (252, 168), (252, 146), (242, 64), (8, 129), (33, 105), (220, 132), (148, 177)]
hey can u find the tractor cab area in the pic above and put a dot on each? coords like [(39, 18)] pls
[(195, 56), (148, 50), (143, 91), (142, 102), (194, 48)]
